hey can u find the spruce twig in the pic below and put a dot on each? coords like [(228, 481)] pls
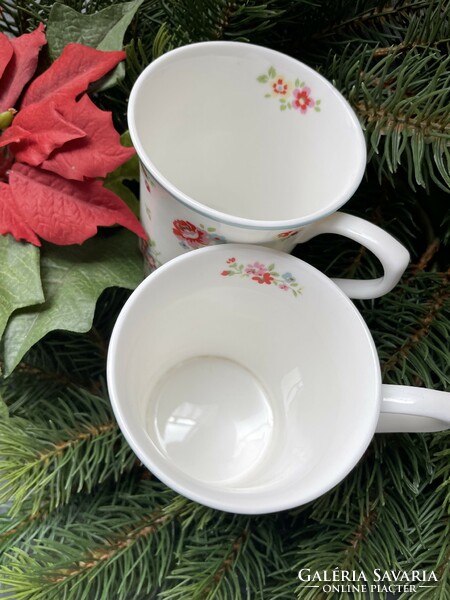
[(68, 446)]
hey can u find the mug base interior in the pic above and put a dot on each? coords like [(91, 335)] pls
[(213, 419)]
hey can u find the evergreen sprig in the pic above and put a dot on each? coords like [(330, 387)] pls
[(122, 548), (83, 519), (71, 443)]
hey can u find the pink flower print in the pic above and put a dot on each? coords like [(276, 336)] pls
[(284, 286), (280, 87), (231, 260), (256, 268), (302, 99)]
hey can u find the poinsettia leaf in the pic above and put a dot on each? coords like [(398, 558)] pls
[(103, 30), (71, 73), (6, 52), (67, 212), (128, 171), (21, 66), (94, 155), (73, 277), (12, 220), (37, 130), (20, 278)]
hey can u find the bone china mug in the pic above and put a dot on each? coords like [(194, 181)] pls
[(239, 143), (257, 388), (246, 380)]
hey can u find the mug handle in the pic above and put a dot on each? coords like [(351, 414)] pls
[(413, 409), (393, 256)]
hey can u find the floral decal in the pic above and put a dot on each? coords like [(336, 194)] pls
[(151, 255), (291, 95), (284, 235), (262, 274), (192, 237), (149, 183)]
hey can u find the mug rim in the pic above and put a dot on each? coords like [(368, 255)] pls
[(227, 500), (228, 218)]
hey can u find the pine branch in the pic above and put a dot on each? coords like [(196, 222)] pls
[(404, 105), (411, 330), (430, 548), (393, 466), (68, 445), (122, 548), (229, 561), (212, 20), (395, 25)]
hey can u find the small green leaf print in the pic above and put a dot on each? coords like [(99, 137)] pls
[(267, 95), (263, 79), (283, 100), (272, 72), (297, 82), (211, 229), (283, 107)]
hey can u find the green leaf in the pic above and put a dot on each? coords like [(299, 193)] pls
[(103, 30), (20, 278), (263, 79), (272, 72), (129, 171), (73, 277)]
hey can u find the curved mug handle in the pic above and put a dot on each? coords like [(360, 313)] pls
[(412, 409), (393, 256)]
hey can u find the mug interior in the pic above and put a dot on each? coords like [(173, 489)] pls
[(246, 131), (243, 393)]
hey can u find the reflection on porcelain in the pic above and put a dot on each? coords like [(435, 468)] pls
[(245, 398)]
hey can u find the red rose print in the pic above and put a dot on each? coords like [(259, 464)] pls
[(190, 236)]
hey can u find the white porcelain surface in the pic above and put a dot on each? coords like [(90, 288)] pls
[(245, 379), (239, 143)]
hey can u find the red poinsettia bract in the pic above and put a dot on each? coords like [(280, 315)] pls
[(58, 147)]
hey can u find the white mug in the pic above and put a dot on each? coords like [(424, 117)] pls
[(246, 380), (239, 143)]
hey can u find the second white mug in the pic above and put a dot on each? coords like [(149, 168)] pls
[(240, 143)]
